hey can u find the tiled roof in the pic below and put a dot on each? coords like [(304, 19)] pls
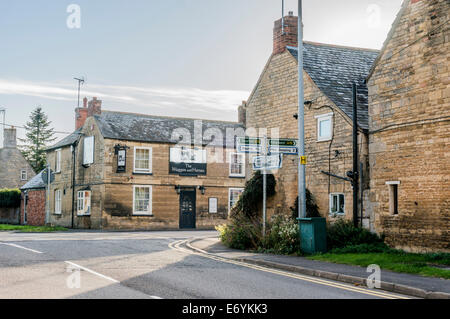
[(334, 69), (68, 140), (34, 183), (149, 128)]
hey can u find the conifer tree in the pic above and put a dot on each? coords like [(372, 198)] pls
[(38, 136)]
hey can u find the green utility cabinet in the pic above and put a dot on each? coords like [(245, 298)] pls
[(313, 235)]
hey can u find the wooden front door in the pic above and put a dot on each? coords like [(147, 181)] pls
[(187, 209)]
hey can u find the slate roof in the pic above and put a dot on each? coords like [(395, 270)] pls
[(334, 69), (68, 140), (34, 183), (157, 129)]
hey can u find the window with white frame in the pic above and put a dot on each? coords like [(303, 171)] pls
[(233, 196), (337, 204), (23, 175), (237, 165), (58, 201), (143, 160), (142, 200), (58, 161), (84, 203), (324, 127)]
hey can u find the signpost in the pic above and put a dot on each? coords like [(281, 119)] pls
[(283, 146), (249, 145), (270, 162), (270, 158)]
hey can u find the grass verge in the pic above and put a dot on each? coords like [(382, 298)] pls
[(31, 229), (398, 261)]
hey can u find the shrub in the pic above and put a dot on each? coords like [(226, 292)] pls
[(312, 210), (242, 233), (343, 233), (251, 199), (9, 198), (282, 236)]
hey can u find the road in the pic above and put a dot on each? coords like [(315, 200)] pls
[(145, 265)]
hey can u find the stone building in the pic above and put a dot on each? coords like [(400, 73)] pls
[(329, 72), (409, 123), (32, 206), (143, 172), (15, 170)]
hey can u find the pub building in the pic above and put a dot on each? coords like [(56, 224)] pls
[(143, 172)]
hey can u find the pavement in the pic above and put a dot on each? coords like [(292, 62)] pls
[(412, 285), (152, 265)]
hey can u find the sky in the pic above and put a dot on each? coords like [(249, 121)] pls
[(185, 58)]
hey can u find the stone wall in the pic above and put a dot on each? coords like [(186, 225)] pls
[(409, 139), (10, 171), (272, 105)]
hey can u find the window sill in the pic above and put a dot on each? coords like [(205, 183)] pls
[(324, 140), (143, 173), (236, 176), (142, 215)]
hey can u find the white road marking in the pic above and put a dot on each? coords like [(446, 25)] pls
[(21, 247), (100, 275), (176, 245), (92, 272)]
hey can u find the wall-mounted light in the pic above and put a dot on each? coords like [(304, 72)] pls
[(178, 189), (202, 189)]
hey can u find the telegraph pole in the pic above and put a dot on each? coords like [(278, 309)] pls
[(301, 121)]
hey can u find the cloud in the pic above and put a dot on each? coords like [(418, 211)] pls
[(183, 101)]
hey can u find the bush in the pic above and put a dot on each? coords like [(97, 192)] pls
[(282, 236), (343, 234), (245, 233), (9, 198), (242, 233), (251, 199), (312, 210)]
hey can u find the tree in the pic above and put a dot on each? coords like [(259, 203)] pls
[(38, 136)]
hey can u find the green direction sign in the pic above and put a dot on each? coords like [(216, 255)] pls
[(249, 141), (249, 145), (283, 146), (283, 142)]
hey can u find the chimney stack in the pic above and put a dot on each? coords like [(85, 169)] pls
[(242, 113), (290, 35), (81, 114), (90, 108), (94, 107), (9, 137)]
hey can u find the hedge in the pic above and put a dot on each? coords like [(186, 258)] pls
[(9, 198)]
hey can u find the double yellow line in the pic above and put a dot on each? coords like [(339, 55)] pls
[(177, 245)]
